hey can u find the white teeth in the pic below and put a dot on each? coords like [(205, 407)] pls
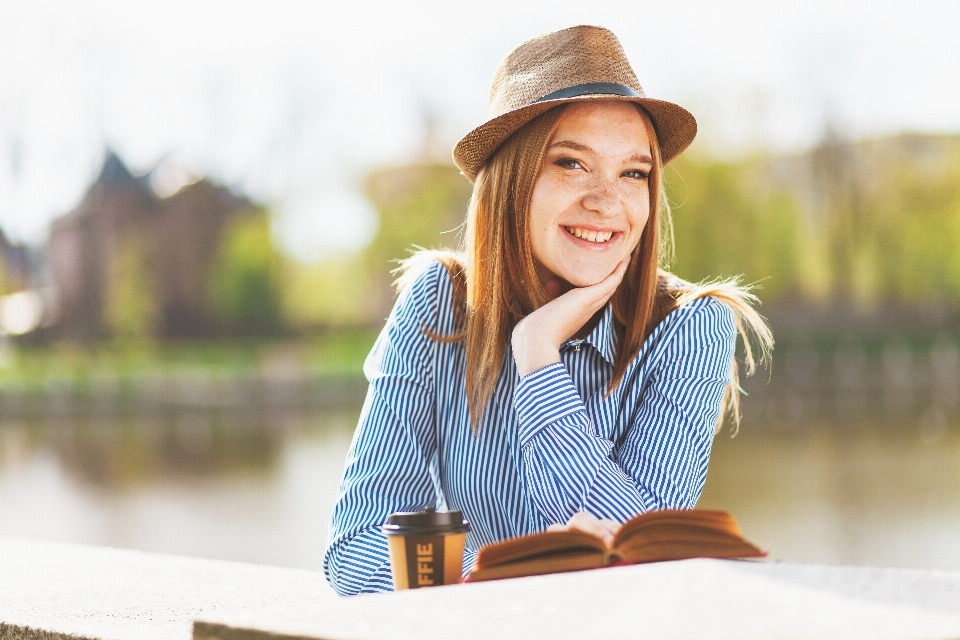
[(592, 236)]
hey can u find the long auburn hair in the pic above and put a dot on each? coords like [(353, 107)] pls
[(495, 281)]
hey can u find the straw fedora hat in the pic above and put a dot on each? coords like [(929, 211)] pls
[(579, 63)]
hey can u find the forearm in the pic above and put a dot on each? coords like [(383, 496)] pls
[(662, 460), (568, 471), (359, 564), (566, 465), (373, 487)]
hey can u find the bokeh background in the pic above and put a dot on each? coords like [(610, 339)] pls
[(201, 203)]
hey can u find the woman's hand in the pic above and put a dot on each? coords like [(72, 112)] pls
[(537, 338), (583, 521)]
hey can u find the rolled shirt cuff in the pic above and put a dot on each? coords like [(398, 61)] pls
[(469, 561), (543, 397)]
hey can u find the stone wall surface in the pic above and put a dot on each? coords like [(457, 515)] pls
[(700, 598), (50, 591)]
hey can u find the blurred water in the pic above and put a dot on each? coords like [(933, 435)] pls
[(259, 487), (203, 485), (844, 493)]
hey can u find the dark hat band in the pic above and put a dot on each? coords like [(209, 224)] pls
[(592, 88)]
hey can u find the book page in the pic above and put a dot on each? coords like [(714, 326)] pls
[(675, 535), (557, 562), (539, 544), (674, 548), (668, 521)]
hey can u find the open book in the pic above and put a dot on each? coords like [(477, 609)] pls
[(650, 537)]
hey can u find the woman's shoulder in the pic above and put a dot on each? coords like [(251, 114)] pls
[(426, 286), (704, 309), (710, 315)]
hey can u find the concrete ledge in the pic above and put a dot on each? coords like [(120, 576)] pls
[(682, 600), (52, 591)]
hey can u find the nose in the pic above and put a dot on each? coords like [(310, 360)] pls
[(602, 197)]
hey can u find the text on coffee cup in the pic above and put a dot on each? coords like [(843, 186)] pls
[(425, 564)]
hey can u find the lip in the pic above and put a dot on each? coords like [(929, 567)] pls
[(589, 227), (586, 244)]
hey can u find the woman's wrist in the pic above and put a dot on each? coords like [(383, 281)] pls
[(532, 352)]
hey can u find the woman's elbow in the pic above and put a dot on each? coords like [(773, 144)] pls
[(339, 579)]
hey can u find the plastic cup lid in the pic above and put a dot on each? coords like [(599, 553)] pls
[(427, 521)]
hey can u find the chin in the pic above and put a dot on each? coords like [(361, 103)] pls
[(581, 279)]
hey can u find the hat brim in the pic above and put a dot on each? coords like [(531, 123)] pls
[(675, 127)]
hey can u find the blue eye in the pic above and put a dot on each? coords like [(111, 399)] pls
[(636, 173), (568, 163)]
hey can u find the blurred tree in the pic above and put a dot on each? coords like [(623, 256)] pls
[(131, 300), (840, 180), (5, 284), (330, 294), (886, 218), (15, 272), (863, 225), (420, 204), (915, 235), (245, 278), (724, 226)]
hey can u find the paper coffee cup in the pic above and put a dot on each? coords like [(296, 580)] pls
[(426, 548)]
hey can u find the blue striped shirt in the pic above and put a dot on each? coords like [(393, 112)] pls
[(549, 445)]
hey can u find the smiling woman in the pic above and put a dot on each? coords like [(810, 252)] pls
[(593, 185), (589, 207), (550, 374)]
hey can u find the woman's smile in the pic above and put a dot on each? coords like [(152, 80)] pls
[(592, 236), (591, 197)]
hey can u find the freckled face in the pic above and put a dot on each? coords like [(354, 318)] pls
[(591, 199)]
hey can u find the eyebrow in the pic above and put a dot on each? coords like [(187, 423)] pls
[(576, 146)]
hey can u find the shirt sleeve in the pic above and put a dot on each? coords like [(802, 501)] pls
[(388, 464), (569, 467)]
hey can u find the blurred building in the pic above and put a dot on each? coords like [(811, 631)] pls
[(137, 256), (15, 266)]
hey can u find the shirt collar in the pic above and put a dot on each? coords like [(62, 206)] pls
[(603, 338)]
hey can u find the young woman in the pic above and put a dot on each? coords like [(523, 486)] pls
[(550, 375)]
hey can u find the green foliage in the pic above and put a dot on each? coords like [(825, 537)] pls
[(723, 227), (33, 368), (131, 305), (867, 223), (419, 205), (870, 224), (341, 352), (915, 241), (245, 281), (332, 293)]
